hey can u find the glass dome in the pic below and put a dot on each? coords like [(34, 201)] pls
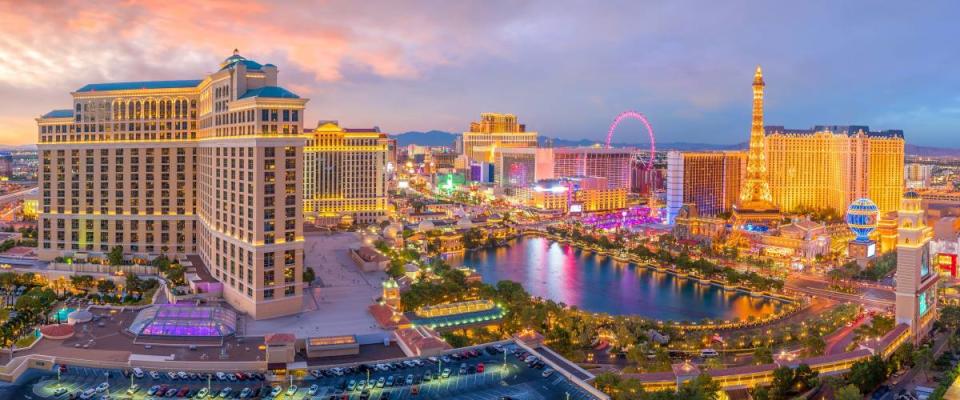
[(184, 320)]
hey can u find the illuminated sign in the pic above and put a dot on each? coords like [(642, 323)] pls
[(575, 208), (871, 250)]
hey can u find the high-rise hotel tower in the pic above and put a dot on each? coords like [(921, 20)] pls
[(210, 167), (345, 175)]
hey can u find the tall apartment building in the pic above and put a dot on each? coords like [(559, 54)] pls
[(831, 166), (711, 180), (495, 131), (208, 167), (345, 174)]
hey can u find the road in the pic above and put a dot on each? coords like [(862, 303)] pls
[(878, 297)]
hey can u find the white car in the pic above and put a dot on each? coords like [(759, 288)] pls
[(245, 392), (547, 372), (103, 386), (133, 388), (182, 375), (221, 376), (292, 390), (276, 390), (201, 394), (154, 374), (225, 392), (172, 375), (60, 391), (137, 372), (313, 389), (88, 394)]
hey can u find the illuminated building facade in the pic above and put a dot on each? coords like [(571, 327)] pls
[(576, 194), (647, 181), (495, 131), (711, 180), (916, 280), (345, 176), (831, 166), (755, 205), (610, 163), (520, 167), (210, 167)]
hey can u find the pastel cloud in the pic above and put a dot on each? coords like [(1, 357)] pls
[(566, 68)]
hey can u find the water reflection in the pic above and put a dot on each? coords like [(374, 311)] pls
[(599, 283)]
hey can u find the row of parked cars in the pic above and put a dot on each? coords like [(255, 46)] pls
[(186, 376)]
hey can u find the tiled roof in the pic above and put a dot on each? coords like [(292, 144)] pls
[(94, 87), (250, 64), (59, 114), (848, 130), (271, 92)]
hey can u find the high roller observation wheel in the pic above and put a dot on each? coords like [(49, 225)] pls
[(642, 118)]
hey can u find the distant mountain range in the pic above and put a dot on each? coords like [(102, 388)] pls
[(442, 138)]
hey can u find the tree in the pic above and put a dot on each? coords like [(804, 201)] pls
[(762, 355), (950, 316), (134, 283), (815, 345), (848, 392), (782, 384), (868, 374), (115, 256), (82, 282), (702, 387), (804, 378), (923, 358), (309, 275), (106, 286)]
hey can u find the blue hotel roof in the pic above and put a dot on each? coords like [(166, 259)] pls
[(94, 87), (67, 113), (271, 92)]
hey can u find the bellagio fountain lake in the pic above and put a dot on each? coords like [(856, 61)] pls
[(598, 283)]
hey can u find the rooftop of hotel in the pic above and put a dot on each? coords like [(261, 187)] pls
[(177, 84), (848, 130), (64, 113), (275, 92)]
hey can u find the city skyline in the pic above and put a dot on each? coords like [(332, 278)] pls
[(405, 69)]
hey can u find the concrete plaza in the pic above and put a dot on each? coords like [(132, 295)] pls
[(336, 303)]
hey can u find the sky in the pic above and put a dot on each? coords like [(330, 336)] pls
[(565, 68)]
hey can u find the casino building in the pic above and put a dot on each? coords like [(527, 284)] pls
[(210, 167), (345, 175)]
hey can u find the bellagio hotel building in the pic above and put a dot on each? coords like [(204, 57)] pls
[(209, 167)]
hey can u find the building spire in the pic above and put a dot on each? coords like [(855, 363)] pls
[(756, 188), (236, 52)]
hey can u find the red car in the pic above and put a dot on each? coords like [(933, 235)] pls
[(480, 368)]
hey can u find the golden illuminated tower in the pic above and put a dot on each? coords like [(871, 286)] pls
[(756, 204)]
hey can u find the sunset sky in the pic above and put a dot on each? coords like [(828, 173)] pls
[(565, 68)]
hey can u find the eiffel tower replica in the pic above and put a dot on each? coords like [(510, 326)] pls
[(755, 210)]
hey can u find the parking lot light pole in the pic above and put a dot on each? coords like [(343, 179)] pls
[(209, 378)]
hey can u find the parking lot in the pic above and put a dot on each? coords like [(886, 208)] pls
[(513, 379)]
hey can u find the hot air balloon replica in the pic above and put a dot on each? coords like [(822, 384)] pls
[(861, 218)]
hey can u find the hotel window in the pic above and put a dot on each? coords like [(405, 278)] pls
[(268, 294)]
